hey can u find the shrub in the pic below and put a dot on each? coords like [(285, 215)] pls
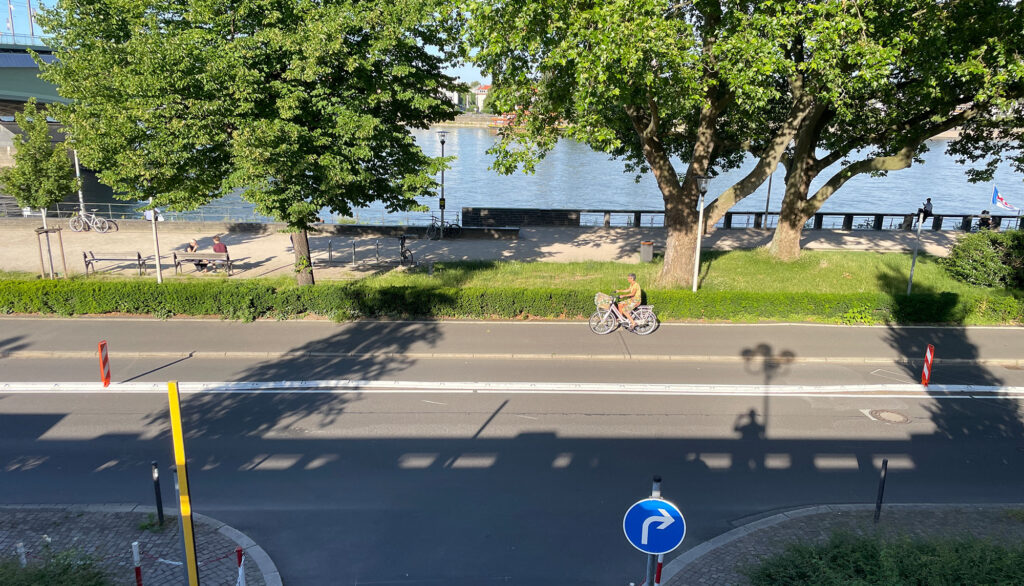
[(991, 259), (67, 568)]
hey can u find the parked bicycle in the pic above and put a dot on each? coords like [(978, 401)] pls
[(608, 318), (405, 253), (451, 229), (90, 221)]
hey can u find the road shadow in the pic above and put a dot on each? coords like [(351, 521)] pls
[(371, 352), (954, 419)]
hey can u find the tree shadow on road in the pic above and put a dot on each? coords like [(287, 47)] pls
[(373, 351)]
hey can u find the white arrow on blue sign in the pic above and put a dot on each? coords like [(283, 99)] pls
[(654, 526)]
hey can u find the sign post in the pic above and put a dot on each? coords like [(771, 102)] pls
[(654, 526), (181, 483)]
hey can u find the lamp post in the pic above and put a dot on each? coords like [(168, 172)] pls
[(702, 184), (442, 134)]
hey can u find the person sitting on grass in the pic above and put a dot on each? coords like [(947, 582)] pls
[(630, 300)]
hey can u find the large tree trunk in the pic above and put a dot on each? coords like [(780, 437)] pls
[(303, 261), (681, 228)]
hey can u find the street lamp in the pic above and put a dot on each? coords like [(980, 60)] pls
[(442, 134), (702, 184)]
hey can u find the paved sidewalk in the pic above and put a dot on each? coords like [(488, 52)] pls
[(260, 250), (106, 533), (720, 561)]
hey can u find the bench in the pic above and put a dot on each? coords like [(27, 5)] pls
[(91, 258), (214, 258)]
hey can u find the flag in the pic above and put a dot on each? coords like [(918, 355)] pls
[(241, 574), (999, 202)]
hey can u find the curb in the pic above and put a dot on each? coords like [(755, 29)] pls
[(690, 556), (269, 355), (255, 553)]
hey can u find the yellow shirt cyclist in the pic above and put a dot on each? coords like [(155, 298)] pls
[(631, 299)]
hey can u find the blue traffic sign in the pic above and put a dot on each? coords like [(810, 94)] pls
[(654, 526)]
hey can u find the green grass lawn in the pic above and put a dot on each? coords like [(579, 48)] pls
[(747, 270)]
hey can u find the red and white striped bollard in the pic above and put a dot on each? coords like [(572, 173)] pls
[(104, 364), (929, 356)]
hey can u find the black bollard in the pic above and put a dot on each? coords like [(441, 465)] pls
[(881, 489), (159, 498)]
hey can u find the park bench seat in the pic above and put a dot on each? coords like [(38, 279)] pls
[(134, 257), (208, 257)]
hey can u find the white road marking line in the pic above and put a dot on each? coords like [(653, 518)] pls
[(433, 402), (867, 413), (424, 387), (888, 374)]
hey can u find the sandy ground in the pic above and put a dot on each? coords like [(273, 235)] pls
[(267, 251)]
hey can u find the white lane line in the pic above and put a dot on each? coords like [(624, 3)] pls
[(423, 387), (433, 402), (867, 413)]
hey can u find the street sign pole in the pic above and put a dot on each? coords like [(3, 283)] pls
[(181, 483), (652, 559), (654, 526)]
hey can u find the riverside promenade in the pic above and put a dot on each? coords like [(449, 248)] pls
[(265, 250)]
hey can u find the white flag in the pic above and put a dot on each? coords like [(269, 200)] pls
[(241, 573)]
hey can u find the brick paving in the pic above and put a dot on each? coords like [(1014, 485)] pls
[(105, 533), (745, 546)]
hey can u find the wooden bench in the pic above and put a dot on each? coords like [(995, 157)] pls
[(91, 258), (213, 258)]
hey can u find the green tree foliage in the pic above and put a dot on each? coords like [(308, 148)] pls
[(934, 66), (992, 259), (42, 174), (298, 106), (653, 83)]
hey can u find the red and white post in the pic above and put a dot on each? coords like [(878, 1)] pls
[(929, 356), (138, 563), (657, 573), (241, 568), (104, 364)]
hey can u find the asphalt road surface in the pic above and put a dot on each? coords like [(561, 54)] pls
[(519, 468)]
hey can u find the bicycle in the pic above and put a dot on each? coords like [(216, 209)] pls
[(434, 230), (404, 253), (87, 221), (608, 318)]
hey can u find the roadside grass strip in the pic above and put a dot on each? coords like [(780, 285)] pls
[(514, 388)]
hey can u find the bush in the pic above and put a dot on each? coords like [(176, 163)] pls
[(990, 259), (845, 559), (249, 300), (67, 568)]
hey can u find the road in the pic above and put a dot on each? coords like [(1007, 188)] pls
[(521, 471)]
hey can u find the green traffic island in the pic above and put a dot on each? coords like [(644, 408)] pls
[(736, 286), (847, 559)]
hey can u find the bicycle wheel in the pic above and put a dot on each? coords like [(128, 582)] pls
[(76, 224), (407, 258), (433, 231), (100, 224), (454, 230), (603, 322), (646, 322)]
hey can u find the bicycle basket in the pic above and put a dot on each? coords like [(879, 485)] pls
[(603, 300)]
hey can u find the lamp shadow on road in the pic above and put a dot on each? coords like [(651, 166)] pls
[(370, 351), (953, 418)]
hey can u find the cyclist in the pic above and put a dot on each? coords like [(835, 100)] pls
[(630, 300)]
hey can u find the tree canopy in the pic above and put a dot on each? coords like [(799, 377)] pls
[(42, 174), (297, 106)]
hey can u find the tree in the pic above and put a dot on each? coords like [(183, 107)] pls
[(42, 173), (649, 83), (298, 106), (945, 65)]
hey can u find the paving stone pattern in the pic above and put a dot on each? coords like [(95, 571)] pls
[(107, 538), (722, 565)]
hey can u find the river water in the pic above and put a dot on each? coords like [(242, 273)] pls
[(575, 177)]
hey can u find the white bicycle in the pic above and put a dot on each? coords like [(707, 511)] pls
[(608, 318)]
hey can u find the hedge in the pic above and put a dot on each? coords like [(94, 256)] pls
[(248, 300), (991, 259)]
